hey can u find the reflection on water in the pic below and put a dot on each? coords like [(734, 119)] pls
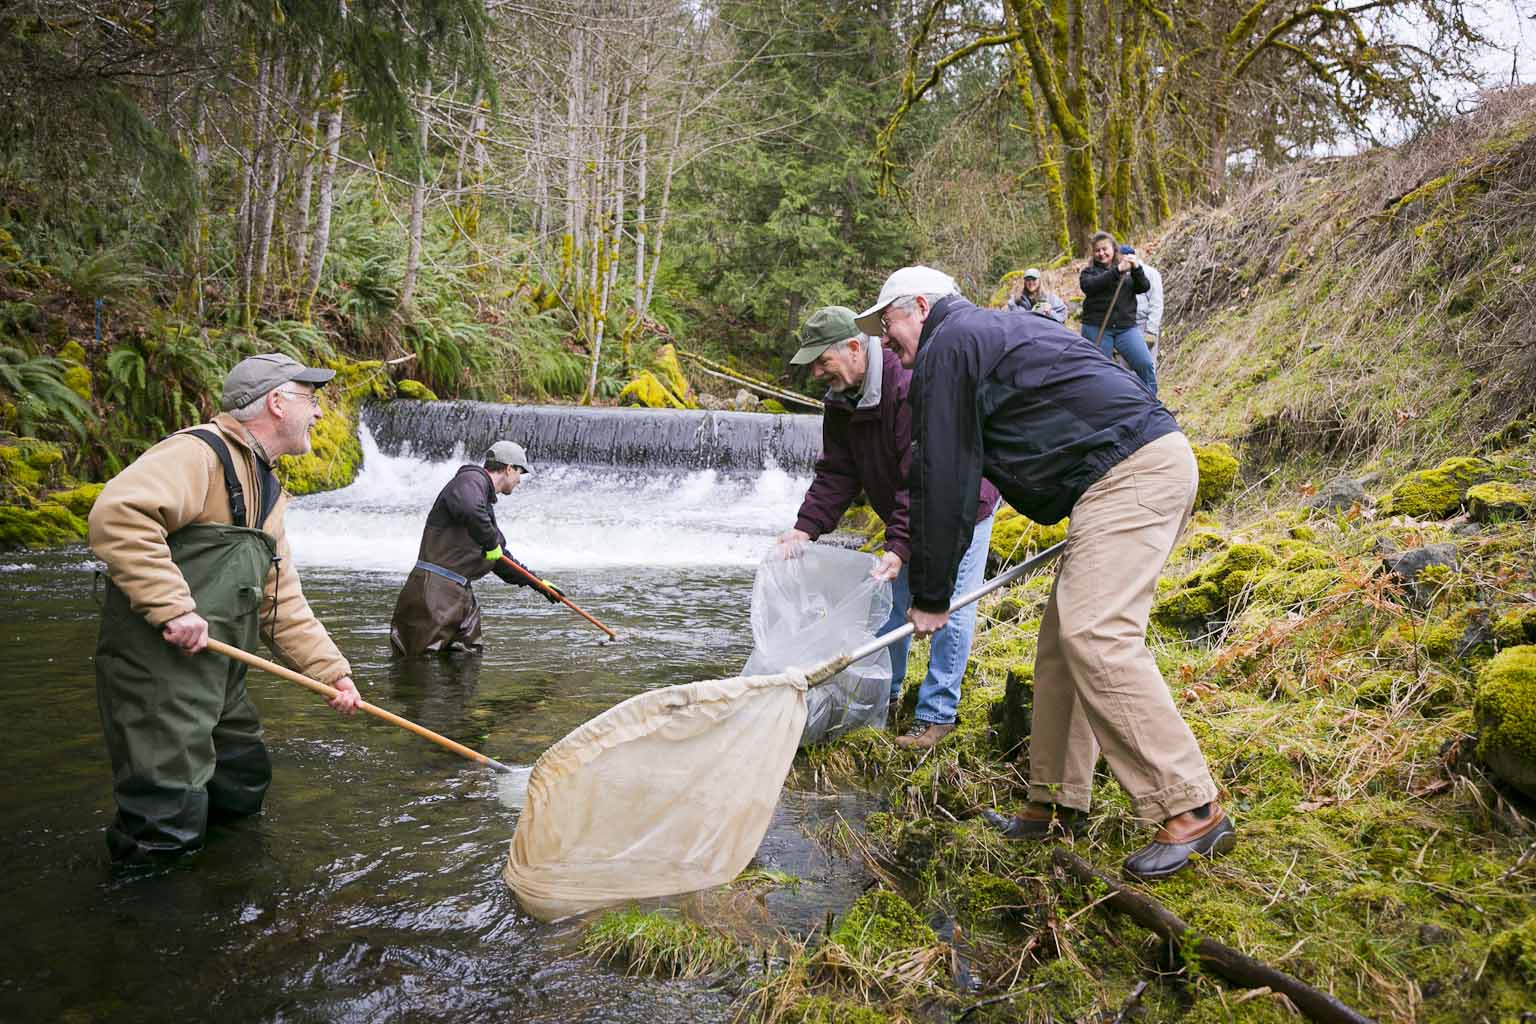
[(369, 888)]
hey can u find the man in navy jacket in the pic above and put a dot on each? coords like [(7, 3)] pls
[(1061, 430), (866, 446)]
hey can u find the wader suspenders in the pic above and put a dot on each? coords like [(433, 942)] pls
[(266, 483)]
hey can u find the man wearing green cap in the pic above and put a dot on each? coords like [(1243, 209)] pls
[(867, 447), (436, 610), (193, 538)]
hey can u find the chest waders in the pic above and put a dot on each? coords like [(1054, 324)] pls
[(183, 735)]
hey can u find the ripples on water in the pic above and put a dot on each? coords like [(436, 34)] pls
[(369, 888)]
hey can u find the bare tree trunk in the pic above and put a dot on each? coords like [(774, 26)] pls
[(300, 226), (322, 237), (642, 168), (202, 229), (245, 236), (666, 199), (418, 206), (268, 205)]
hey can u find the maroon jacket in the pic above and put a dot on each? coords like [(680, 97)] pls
[(867, 446)]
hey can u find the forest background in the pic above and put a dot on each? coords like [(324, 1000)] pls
[(523, 200)]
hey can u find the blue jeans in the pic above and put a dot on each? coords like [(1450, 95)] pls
[(1130, 343), (940, 693)]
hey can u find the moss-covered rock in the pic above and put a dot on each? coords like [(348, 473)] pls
[(774, 406), (1015, 537), (1438, 493), (660, 944), (1505, 711), (1218, 472), (1514, 951), (669, 371), (880, 923), (1211, 589), (28, 466), (1516, 626), (415, 389), (648, 391), (78, 499), (1496, 502), (47, 525)]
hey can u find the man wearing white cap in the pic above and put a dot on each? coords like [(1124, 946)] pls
[(436, 610), (1061, 430)]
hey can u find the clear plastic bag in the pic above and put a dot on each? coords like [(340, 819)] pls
[(816, 606)]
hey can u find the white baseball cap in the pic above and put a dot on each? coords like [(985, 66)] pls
[(903, 283)]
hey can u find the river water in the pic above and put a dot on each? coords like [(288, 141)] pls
[(369, 889)]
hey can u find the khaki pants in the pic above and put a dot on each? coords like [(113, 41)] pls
[(1097, 687)]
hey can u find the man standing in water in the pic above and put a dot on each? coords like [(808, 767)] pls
[(867, 446), (1021, 401), (193, 537), (436, 609)]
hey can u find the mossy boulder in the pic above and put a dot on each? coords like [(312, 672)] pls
[(647, 391), (47, 525), (1505, 711), (78, 499), (1516, 626), (1496, 502), (1514, 951), (1016, 537), (880, 923), (774, 406), (1210, 591), (1437, 493), (1218, 472), (415, 389), (27, 466)]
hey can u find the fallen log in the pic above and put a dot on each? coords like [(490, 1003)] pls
[(1236, 967)]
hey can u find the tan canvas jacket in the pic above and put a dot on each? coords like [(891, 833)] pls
[(177, 482)]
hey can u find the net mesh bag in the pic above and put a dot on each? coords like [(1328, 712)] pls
[(673, 790), (814, 607)]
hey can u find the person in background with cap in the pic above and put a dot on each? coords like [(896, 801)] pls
[(867, 446), (1035, 299), (436, 609), (1061, 431), (1111, 278), (192, 533)]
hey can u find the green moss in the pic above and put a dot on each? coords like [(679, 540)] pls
[(1197, 543), (774, 406), (1211, 589), (659, 944), (1445, 639), (1499, 502), (1218, 472), (1215, 1010), (1514, 951), (1015, 537), (27, 466), (1505, 711), (665, 366), (1516, 626), (78, 499), (415, 389), (881, 923), (825, 1010), (78, 380), (72, 353), (48, 525), (1438, 492), (648, 391), (991, 899)]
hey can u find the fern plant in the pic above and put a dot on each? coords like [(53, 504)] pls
[(42, 398)]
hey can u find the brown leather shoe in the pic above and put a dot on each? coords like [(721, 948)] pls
[(1177, 841), (924, 735), (1036, 821)]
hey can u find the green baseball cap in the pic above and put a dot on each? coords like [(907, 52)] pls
[(254, 376), (825, 328)]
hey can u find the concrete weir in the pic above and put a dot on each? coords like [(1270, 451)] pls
[(574, 435)]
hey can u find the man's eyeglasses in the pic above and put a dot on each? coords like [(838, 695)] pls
[(313, 396)]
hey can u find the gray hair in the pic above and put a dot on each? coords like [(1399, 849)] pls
[(907, 303), (250, 410)]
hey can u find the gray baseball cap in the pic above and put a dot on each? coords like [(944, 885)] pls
[(1032, 272), (509, 453), (254, 376), (826, 327)]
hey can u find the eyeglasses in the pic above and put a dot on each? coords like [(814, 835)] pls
[(313, 396)]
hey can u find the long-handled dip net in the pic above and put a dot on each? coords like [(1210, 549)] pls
[(671, 791)]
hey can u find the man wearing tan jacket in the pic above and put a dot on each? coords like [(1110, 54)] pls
[(192, 535)]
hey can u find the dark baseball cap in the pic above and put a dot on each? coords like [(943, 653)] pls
[(254, 376), (825, 328), (1127, 250)]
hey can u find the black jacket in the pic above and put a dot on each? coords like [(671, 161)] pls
[(461, 528), (1023, 402), (1098, 284)]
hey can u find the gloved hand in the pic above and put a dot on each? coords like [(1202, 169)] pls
[(493, 555), (552, 593)]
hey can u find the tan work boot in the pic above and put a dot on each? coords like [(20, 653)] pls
[(924, 735)]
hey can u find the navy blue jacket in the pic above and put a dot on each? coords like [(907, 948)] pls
[(1023, 402)]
